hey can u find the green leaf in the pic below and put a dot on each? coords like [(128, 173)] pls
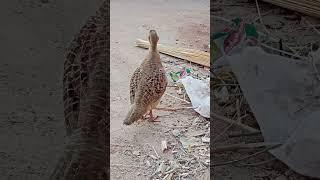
[(251, 31), (218, 35), (174, 76)]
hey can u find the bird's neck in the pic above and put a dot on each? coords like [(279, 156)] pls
[(153, 47), (154, 56)]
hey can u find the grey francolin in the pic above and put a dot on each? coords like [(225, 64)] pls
[(148, 84)]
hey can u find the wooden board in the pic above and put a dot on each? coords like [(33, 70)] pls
[(192, 55), (308, 7)]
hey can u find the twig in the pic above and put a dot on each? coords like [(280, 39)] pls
[(287, 53), (113, 144), (173, 109), (221, 19), (238, 105), (260, 17), (125, 165), (243, 126), (266, 13), (258, 163), (243, 134), (171, 86), (235, 147), (178, 98), (310, 25), (244, 158), (176, 126), (315, 68), (155, 152), (217, 85), (224, 131)]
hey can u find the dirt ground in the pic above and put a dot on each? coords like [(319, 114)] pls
[(32, 41), (182, 23)]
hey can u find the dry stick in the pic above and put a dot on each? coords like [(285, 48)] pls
[(312, 60), (173, 109), (173, 127), (238, 146), (266, 13), (125, 165), (172, 86), (238, 105), (243, 134), (260, 17), (258, 163), (244, 158), (287, 53), (224, 131), (218, 85), (268, 32), (315, 68), (243, 126), (310, 25), (155, 152), (178, 98)]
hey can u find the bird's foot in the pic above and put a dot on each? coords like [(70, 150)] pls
[(144, 117), (153, 119)]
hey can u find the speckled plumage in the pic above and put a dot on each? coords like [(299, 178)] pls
[(148, 83), (85, 102)]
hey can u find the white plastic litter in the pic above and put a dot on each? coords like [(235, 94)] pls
[(285, 99), (199, 94)]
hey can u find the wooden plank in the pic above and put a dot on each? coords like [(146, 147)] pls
[(311, 8), (192, 55)]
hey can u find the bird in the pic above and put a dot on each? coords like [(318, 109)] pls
[(147, 85), (85, 93)]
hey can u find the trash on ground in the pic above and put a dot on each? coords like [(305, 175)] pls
[(176, 132), (164, 145), (284, 97), (205, 140), (198, 92), (189, 142)]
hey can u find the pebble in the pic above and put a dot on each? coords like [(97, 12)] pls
[(136, 153), (205, 139), (176, 132)]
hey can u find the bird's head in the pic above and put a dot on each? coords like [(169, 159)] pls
[(153, 37)]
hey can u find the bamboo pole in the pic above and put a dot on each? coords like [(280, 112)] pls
[(192, 55), (308, 7)]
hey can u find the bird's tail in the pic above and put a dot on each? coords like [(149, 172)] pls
[(133, 115)]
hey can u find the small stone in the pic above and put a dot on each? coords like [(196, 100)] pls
[(153, 157), (176, 132), (184, 174), (205, 140), (162, 167), (136, 153), (148, 163), (164, 145)]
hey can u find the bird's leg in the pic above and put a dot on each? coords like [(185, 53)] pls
[(144, 117), (166, 109), (152, 118)]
